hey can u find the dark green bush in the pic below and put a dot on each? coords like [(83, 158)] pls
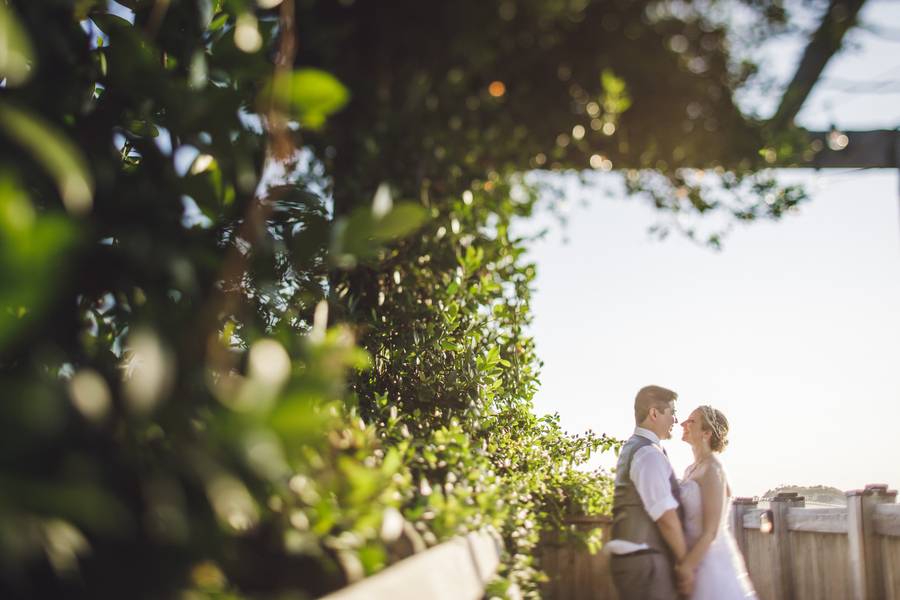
[(263, 323)]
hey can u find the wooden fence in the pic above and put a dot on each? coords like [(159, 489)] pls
[(792, 552), (575, 573), (799, 553)]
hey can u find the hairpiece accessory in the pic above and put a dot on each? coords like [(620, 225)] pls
[(712, 419)]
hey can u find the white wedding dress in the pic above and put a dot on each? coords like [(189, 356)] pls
[(722, 574)]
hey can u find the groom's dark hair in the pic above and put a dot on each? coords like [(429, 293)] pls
[(651, 396)]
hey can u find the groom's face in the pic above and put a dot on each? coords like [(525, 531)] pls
[(666, 421)]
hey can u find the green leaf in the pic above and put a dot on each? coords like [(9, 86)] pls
[(309, 95), (393, 460), (295, 419), (83, 8), (452, 311), (451, 346), (403, 219), (32, 251), (372, 557), (136, 4), (616, 99), (493, 355), (611, 83), (56, 154), (143, 128), (107, 22), (218, 21), (361, 235), (85, 504), (363, 482), (16, 52)]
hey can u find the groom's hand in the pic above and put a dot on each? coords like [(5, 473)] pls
[(684, 578)]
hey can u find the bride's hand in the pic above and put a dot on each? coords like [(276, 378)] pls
[(684, 577)]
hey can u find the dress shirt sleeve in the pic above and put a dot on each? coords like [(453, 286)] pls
[(650, 471)]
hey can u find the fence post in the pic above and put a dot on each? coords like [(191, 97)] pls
[(784, 560), (866, 568), (739, 508)]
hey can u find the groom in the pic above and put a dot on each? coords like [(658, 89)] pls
[(647, 538)]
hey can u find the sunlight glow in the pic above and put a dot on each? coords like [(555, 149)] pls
[(148, 371), (90, 394), (246, 33)]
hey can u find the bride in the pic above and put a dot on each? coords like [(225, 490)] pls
[(714, 558)]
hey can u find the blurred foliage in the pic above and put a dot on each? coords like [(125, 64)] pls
[(16, 53), (263, 319)]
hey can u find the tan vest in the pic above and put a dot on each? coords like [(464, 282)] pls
[(630, 519)]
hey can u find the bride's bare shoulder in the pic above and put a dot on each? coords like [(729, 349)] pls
[(710, 470)]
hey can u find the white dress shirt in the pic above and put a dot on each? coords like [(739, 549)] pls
[(650, 472)]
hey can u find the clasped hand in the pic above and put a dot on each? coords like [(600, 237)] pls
[(684, 579)]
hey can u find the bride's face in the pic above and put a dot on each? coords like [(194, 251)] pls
[(692, 430)]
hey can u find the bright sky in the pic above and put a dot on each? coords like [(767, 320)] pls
[(792, 330)]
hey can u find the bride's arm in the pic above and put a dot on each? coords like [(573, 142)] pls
[(712, 495)]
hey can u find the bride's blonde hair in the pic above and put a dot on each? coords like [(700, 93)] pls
[(715, 422)]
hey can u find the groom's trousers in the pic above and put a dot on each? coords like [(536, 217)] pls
[(643, 576)]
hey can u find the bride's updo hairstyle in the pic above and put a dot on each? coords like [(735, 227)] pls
[(715, 422)]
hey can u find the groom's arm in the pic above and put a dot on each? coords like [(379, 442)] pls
[(670, 527), (650, 471)]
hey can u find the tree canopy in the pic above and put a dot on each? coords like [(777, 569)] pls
[(263, 321)]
